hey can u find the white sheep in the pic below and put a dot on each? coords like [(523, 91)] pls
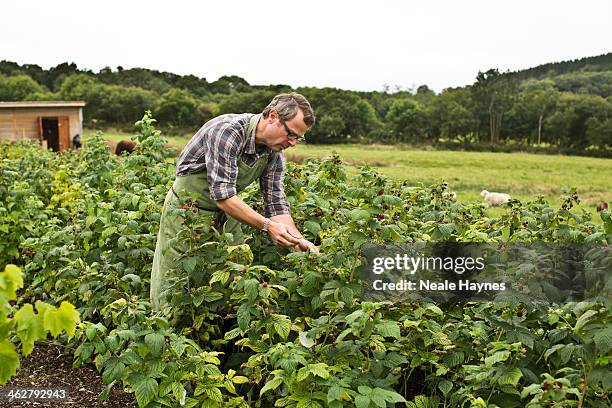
[(494, 199)]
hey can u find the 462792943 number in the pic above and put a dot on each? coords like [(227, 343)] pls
[(12, 394)]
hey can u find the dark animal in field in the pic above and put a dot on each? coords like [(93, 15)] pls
[(125, 146), (602, 205)]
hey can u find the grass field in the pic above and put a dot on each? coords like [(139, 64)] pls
[(522, 175)]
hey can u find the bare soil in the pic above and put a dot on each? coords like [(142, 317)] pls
[(48, 368)]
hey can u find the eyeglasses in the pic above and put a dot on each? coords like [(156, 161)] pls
[(290, 133)]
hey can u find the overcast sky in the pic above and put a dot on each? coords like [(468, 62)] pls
[(356, 44)]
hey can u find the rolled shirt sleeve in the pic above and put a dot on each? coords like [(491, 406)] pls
[(222, 148), (272, 187)]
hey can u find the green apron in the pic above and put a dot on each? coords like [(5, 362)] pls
[(166, 253)]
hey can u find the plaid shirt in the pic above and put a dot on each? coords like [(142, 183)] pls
[(216, 147)]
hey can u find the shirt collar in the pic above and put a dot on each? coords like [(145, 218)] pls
[(251, 148)]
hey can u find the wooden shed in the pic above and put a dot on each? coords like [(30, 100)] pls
[(53, 123)]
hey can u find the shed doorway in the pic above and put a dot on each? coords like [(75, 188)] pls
[(56, 133), (50, 133)]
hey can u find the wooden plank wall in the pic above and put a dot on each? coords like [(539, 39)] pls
[(22, 123)]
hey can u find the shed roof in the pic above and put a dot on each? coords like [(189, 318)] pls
[(43, 104)]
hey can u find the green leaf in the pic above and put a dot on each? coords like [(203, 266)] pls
[(389, 396), (189, 264), (308, 403), (179, 392), (6, 324), (362, 401), (113, 370), (310, 280), (359, 214), (445, 386), (584, 319), (358, 237), (271, 385), (251, 289), (11, 281), (388, 328), (378, 399), (213, 393), (319, 369), (29, 328), (126, 334), (9, 361), (529, 390), (388, 199), (178, 346), (90, 220), (239, 379), (219, 276), (145, 389), (454, 358), (497, 358), (313, 227), (601, 375), (364, 389), (131, 278), (394, 359), (232, 334), (108, 232), (346, 294), (83, 352), (446, 229), (121, 242), (209, 297), (603, 340), (435, 310), (282, 325), (380, 396), (302, 374), (553, 349), (334, 393), (240, 253), (155, 342), (112, 342), (509, 376), (64, 317), (596, 237), (244, 317)]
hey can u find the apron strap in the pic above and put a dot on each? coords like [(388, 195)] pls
[(250, 132)]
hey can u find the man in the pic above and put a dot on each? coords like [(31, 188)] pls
[(225, 156), (76, 142)]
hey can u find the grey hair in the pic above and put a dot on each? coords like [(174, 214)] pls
[(287, 104)]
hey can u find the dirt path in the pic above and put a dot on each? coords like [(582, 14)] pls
[(46, 368)]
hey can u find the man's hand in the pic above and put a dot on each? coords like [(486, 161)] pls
[(305, 245), (280, 235)]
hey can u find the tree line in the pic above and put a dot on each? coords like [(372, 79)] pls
[(561, 105)]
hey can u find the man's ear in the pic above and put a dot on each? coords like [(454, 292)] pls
[(272, 115)]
